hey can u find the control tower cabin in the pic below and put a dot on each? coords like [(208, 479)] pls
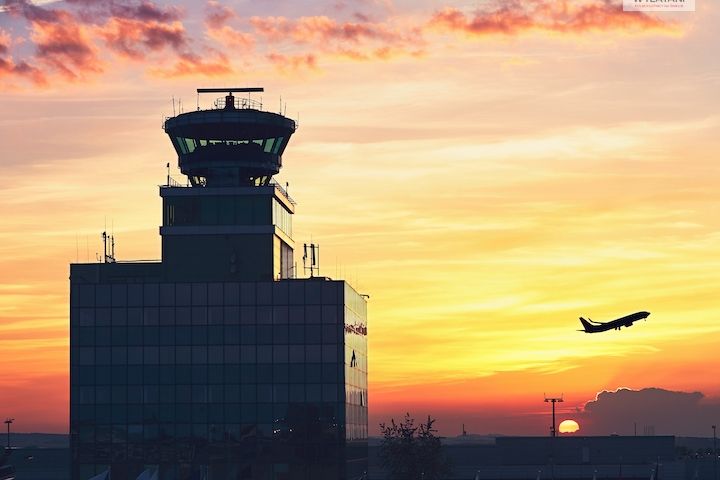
[(218, 362)]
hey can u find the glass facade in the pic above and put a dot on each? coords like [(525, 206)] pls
[(274, 145), (243, 380), (226, 210)]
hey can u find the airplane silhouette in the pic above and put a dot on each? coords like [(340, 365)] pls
[(591, 326)]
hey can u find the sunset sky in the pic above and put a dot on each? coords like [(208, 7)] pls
[(486, 171)]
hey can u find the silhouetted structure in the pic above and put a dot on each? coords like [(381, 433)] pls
[(216, 363), (553, 401)]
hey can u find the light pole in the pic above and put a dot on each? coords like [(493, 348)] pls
[(714, 427), (553, 433), (553, 400), (8, 421)]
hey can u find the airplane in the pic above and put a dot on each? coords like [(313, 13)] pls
[(592, 326)]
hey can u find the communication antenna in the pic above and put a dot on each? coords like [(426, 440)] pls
[(553, 400), (108, 257), (311, 262), (173, 100)]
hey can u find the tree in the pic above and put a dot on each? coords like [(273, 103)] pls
[(408, 452)]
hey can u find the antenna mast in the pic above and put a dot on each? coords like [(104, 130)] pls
[(313, 262), (108, 257)]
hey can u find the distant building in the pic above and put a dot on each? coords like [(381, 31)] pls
[(216, 362), (569, 458)]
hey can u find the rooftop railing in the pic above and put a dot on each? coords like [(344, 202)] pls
[(172, 183), (240, 102)]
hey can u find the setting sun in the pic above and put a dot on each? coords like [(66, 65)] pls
[(568, 426)]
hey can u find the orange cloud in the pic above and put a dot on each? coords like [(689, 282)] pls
[(216, 19), (132, 38), (63, 45), (9, 68), (293, 63), (324, 29), (230, 37), (66, 41), (362, 41), (515, 18), (190, 64)]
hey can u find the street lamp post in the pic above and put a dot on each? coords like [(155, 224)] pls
[(7, 422), (714, 427)]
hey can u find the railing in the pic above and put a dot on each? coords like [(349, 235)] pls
[(171, 182), (275, 184), (240, 102)]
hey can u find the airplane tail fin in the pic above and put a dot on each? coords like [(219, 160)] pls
[(585, 324)]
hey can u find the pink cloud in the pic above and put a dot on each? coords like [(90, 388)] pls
[(8, 67), (230, 37), (63, 44), (134, 38), (560, 16), (190, 64), (217, 15), (323, 29), (92, 11), (363, 40), (293, 63)]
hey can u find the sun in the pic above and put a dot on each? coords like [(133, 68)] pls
[(568, 426)]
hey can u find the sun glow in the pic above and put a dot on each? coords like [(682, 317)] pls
[(568, 426)]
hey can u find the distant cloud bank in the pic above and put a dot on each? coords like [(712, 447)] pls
[(654, 410)]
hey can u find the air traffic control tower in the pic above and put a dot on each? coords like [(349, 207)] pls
[(218, 362), (235, 222)]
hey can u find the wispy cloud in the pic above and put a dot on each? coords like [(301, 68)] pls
[(217, 15), (133, 38), (62, 44), (8, 67), (190, 64), (520, 17), (293, 63)]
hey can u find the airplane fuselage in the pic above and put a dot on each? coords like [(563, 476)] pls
[(626, 321)]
